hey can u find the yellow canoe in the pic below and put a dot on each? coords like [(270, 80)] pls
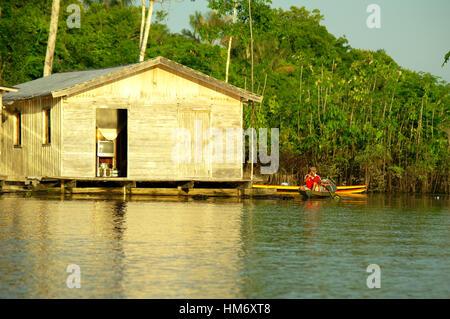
[(351, 189)]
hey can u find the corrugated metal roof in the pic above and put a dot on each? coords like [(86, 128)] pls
[(57, 81)]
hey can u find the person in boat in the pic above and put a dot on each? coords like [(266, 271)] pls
[(313, 182)]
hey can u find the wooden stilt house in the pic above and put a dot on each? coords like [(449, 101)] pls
[(120, 122)]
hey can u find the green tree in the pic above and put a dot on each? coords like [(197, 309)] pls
[(356, 114)]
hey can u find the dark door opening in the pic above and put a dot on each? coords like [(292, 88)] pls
[(122, 144), (112, 142)]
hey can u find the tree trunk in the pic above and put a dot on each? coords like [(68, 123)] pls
[(48, 65), (251, 37), (252, 142), (143, 45), (229, 45), (141, 32), (251, 53)]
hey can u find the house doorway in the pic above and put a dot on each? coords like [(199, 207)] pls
[(111, 142)]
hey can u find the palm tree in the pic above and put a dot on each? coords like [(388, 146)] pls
[(190, 35), (209, 27), (48, 65), (196, 21)]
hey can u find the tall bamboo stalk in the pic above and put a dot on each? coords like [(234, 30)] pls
[(300, 101), (253, 108), (419, 129)]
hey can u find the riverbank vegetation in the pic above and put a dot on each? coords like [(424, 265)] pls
[(356, 114)]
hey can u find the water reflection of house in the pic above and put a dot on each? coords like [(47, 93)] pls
[(117, 120), (183, 249)]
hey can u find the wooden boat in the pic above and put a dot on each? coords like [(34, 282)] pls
[(307, 194), (353, 189), (293, 190)]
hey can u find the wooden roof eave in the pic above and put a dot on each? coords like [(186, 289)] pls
[(257, 99), (210, 80), (122, 73), (8, 89), (22, 99)]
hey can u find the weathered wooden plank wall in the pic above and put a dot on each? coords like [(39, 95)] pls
[(78, 146), (155, 99), (32, 158)]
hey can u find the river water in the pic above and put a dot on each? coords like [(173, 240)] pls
[(170, 248)]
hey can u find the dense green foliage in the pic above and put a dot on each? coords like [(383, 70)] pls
[(355, 114)]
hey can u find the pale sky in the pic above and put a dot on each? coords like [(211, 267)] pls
[(416, 33)]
